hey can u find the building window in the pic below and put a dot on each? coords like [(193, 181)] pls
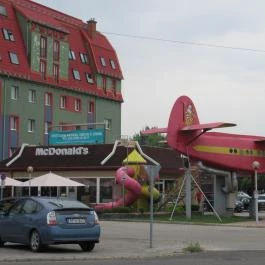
[(56, 50), (32, 96), (106, 190), (48, 99), (31, 125), (43, 70), (91, 107), (89, 78), (112, 63), (107, 124), (56, 72), (63, 101), (91, 114), (13, 58), (47, 126), (43, 47), (14, 92), (104, 84), (77, 104), (84, 58), (13, 123), (3, 10), (8, 35), (71, 55), (113, 86), (76, 74)]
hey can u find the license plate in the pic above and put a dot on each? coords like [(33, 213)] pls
[(76, 221)]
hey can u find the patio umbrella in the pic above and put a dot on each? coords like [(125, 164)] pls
[(12, 182), (51, 180)]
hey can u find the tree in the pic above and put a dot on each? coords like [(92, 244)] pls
[(156, 139)]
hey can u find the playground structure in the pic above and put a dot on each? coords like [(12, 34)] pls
[(133, 178)]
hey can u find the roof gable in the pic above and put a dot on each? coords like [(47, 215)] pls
[(41, 18)]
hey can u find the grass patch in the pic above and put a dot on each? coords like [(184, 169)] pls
[(199, 218), (192, 248), (196, 218)]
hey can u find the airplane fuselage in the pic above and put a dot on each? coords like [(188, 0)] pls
[(227, 151)]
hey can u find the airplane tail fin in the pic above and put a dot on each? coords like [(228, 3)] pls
[(184, 126), (183, 115)]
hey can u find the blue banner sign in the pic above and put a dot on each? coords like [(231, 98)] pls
[(93, 136)]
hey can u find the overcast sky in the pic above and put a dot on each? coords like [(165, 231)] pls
[(225, 84)]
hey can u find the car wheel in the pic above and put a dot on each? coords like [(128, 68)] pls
[(87, 246), (35, 241)]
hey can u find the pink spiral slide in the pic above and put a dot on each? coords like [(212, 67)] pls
[(134, 189)]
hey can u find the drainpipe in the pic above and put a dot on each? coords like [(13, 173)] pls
[(4, 121)]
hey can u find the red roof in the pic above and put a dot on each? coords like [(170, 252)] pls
[(101, 47), (10, 22), (79, 42)]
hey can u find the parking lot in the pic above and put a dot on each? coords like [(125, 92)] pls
[(131, 240)]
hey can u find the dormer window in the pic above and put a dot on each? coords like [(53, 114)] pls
[(103, 62), (13, 58), (83, 58), (76, 74), (71, 55), (89, 78), (8, 35), (112, 63), (3, 10)]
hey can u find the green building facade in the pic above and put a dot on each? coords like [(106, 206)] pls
[(56, 73)]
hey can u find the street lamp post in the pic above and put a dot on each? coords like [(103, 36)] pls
[(152, 171), (29, 170), (256, 166)]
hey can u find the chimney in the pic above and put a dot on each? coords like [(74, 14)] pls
[(92, 27)]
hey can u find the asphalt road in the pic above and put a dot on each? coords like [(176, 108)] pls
[(211, 258), (131, 240)]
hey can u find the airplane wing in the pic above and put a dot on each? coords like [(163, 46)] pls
[(194, 127), (207, 126), (260, 140), (154, 130)]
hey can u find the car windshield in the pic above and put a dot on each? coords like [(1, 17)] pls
[(261, 197)]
